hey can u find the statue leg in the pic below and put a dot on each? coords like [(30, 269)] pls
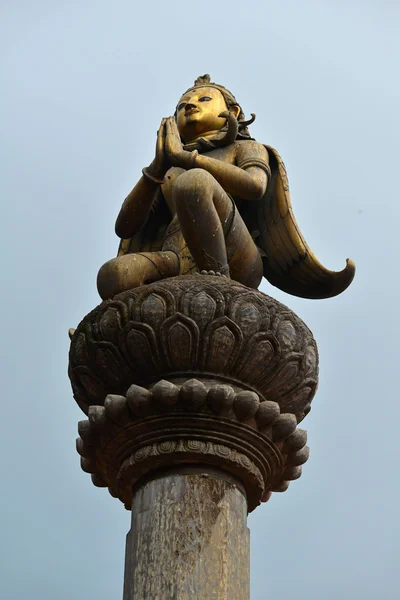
[(202, 206), (131, 270), (214, 231)]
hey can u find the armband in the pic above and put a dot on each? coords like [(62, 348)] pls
[(151, 177), (254, 162)]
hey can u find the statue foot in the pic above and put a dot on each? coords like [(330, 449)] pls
[(223, 272), (133, 270), (217, 273)]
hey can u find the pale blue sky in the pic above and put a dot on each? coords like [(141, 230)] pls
[(84, 87)]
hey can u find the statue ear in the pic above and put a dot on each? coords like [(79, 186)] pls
[(235, 110)]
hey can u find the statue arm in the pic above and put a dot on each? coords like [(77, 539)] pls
[(138, 203), (248, 184), (136, 207), (248, 180)]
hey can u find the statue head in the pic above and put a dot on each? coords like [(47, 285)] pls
[(198, 110)]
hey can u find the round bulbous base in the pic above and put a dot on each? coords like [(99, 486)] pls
[(195, 326), (193, 370)]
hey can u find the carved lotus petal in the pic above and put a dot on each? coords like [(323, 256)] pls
[(141, 346), (222, 345), (97, 417), (310, 360), (92, 384), (139, 400), (84, 449), (286, 335), (81, 349), (110, 363), (154, 311), (300, 457), (292, 473), (180, 337), (85, 431), (248, 317), (296, 400), (267, 413), (284, 379), (117, 409), (296, 441), (202, 302), (282, 487), (193, 394), (98, 481), (202, 309), (110, 324), (259, 358), (283, 427), (88, 465), (220, 398), (165, 392), (246, 405)]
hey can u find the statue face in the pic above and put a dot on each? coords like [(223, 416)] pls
[(197, 112)]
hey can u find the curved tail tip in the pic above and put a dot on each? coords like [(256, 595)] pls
[(341, 280), (345, 277), (350, 267)]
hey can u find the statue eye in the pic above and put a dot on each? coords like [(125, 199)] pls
[(181, 105), (205, 99)]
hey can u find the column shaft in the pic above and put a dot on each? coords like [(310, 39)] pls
[(189, 540)]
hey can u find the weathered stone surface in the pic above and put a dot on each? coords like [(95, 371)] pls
[(189, 540), (193, 370), (207, 423), (195, 327)]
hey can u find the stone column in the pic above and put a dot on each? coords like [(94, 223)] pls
[(204, 381), (189, 539)]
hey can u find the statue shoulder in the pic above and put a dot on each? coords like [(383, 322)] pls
[(251, 153)]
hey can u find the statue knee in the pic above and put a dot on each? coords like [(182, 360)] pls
[(191, 186), (192, 177), (108, 279)]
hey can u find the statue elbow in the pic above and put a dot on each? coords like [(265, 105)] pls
[(119, 231), (123, 230), (257, 191)]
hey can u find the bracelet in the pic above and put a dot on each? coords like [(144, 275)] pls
[(189, 161), (151, 177), (193, 155)]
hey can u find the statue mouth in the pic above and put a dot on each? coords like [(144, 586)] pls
[(191, 112)]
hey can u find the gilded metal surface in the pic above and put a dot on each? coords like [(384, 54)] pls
[(214, 200), (189, 540)]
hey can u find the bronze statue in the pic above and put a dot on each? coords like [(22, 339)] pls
[(214, 201)]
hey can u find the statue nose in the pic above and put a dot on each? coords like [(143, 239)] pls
[(189, 106)]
